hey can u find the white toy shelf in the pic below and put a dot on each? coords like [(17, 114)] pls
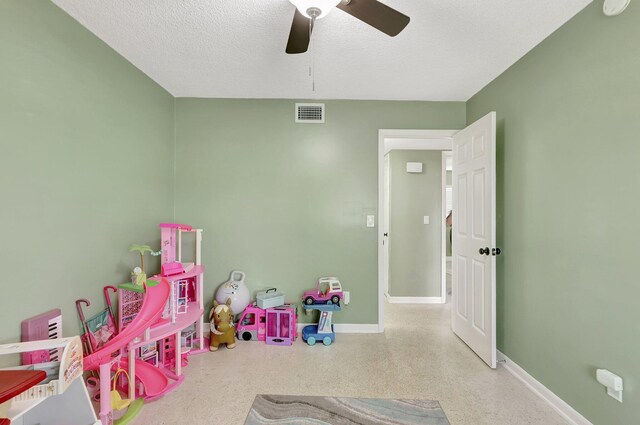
[(62, 397)]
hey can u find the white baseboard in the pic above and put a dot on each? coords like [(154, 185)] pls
[(356, 328), (413, 300), (349, 328), (556, 403)]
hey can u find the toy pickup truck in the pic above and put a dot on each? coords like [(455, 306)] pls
[(332, 295)]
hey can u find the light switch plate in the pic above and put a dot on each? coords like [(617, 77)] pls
[(426, 219), (371, 221)]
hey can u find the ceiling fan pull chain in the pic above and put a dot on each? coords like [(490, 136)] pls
[(310, 41), (312, 57)]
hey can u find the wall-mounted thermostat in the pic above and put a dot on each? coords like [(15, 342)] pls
[(414, 167)]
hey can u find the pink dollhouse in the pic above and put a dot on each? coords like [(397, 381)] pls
[(165, 342)]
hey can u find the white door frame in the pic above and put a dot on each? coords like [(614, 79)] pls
[(445, 154), (385, 222), (389, 139)]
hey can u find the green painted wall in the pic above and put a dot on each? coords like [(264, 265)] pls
[(415, 267), (568, 179), (85, 168), (287, 202)]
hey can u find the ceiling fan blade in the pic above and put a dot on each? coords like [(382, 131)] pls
[(376, 14), (300, 34)]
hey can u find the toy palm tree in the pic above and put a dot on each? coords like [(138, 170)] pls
[(141, 249), (141, 277)]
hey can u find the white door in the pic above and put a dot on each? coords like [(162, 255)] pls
[(474, 238)]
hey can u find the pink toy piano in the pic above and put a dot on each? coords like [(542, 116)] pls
[(44, 326)]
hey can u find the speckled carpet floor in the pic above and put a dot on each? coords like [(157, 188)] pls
[(302, 410)]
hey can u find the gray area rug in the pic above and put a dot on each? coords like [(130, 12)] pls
[(299, 410)]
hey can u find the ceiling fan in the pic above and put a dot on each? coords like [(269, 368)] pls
[(372, 12)]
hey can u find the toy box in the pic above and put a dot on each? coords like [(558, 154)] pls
[(270, 298)]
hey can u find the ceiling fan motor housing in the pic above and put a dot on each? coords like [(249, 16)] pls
[(314, 12), (315, 9), (371, 12)]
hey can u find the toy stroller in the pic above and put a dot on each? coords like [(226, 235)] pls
[(99, 329)]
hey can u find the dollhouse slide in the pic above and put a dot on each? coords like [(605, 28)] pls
[(154, 381)]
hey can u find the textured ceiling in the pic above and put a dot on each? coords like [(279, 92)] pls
[(235, 48)]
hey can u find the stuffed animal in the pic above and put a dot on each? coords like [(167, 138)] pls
[(223, 331)]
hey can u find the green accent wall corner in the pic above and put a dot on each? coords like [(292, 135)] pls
[(85, 166), (568, 178)]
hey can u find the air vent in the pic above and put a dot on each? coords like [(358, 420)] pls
[(312, 113)]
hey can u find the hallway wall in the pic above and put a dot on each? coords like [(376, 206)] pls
[(415, 267)]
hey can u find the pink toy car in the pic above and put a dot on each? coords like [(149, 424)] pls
[(252, 324), (331, 295)]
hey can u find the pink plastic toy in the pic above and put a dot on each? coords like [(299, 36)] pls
[(328, 290), (171, 235), (170, 269), (44, 326), (281, 325), (252, 324), (155, 382), (281, 328), (155, 315), (102, 327)]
